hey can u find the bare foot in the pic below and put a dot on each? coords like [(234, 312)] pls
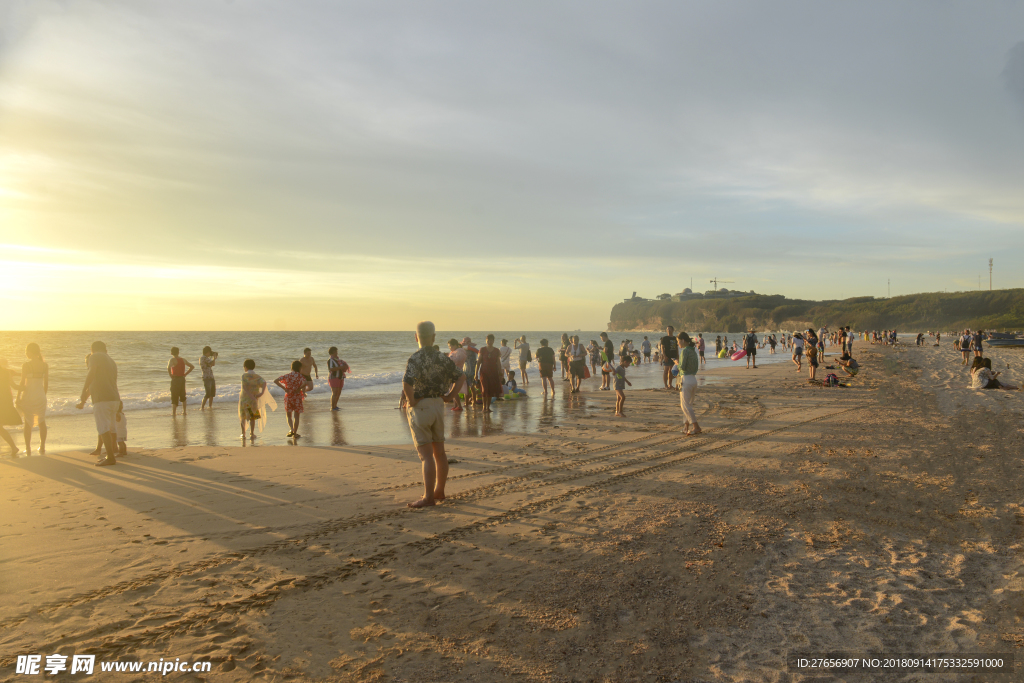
[(42, 450), (696, 432), (96, 452), (421, 503), (438, 497), (14, 452)]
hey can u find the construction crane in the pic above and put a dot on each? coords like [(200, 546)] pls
[(716, 281)]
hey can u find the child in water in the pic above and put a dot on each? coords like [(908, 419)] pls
[(511, 387)]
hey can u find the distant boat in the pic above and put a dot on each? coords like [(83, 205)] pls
[(1005, 342)]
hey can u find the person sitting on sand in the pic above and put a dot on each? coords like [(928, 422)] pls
[(849, 364), (982, 376)]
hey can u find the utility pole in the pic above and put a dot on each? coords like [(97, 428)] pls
[(990, 275), (888, 284)]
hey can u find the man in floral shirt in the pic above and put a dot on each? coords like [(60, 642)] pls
[(431, 380)]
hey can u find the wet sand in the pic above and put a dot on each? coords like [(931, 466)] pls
[(860, 519)]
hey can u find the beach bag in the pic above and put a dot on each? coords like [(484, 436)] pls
[(831, 380), (586, 372), (529, 356)]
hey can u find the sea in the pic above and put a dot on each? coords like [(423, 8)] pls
[(369, 401)]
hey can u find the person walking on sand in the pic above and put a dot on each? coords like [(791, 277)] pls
[(336, 369), (798, 351), (309, 366), (35, 383), (295, 385), (688, 366), (101, 386), (206, 364), (428, 376), (750, 346), (620, 384), (177, 372), (546, 363), (576, 354), (9, 416), (254, 401), (669, 348), (524, 357), (489, 374)]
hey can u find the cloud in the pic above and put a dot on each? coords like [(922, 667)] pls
[(694, 136)]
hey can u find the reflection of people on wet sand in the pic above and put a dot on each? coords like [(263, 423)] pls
[(8, 415), (428, 376), (101, 385)]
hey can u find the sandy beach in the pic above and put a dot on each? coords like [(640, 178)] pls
[(884, 517)]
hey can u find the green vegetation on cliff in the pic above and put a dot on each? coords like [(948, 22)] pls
[(997, 310)]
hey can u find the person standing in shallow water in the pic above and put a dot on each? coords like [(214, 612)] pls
[(525, 357), (336, 369), (295, 386), (35, 383), (177, 372), (206, 364), (431, 380), (489, 374)]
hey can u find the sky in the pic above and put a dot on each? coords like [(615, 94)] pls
[(305, 165)]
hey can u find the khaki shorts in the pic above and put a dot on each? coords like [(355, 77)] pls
[(426, 421), (105, 414)]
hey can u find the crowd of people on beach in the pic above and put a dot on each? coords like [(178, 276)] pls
[(465, 376)]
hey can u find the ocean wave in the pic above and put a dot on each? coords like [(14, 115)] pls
[(226, 393)]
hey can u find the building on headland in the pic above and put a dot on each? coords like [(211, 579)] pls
[(689, 295)]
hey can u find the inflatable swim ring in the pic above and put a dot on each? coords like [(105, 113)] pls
[(738, 355)]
